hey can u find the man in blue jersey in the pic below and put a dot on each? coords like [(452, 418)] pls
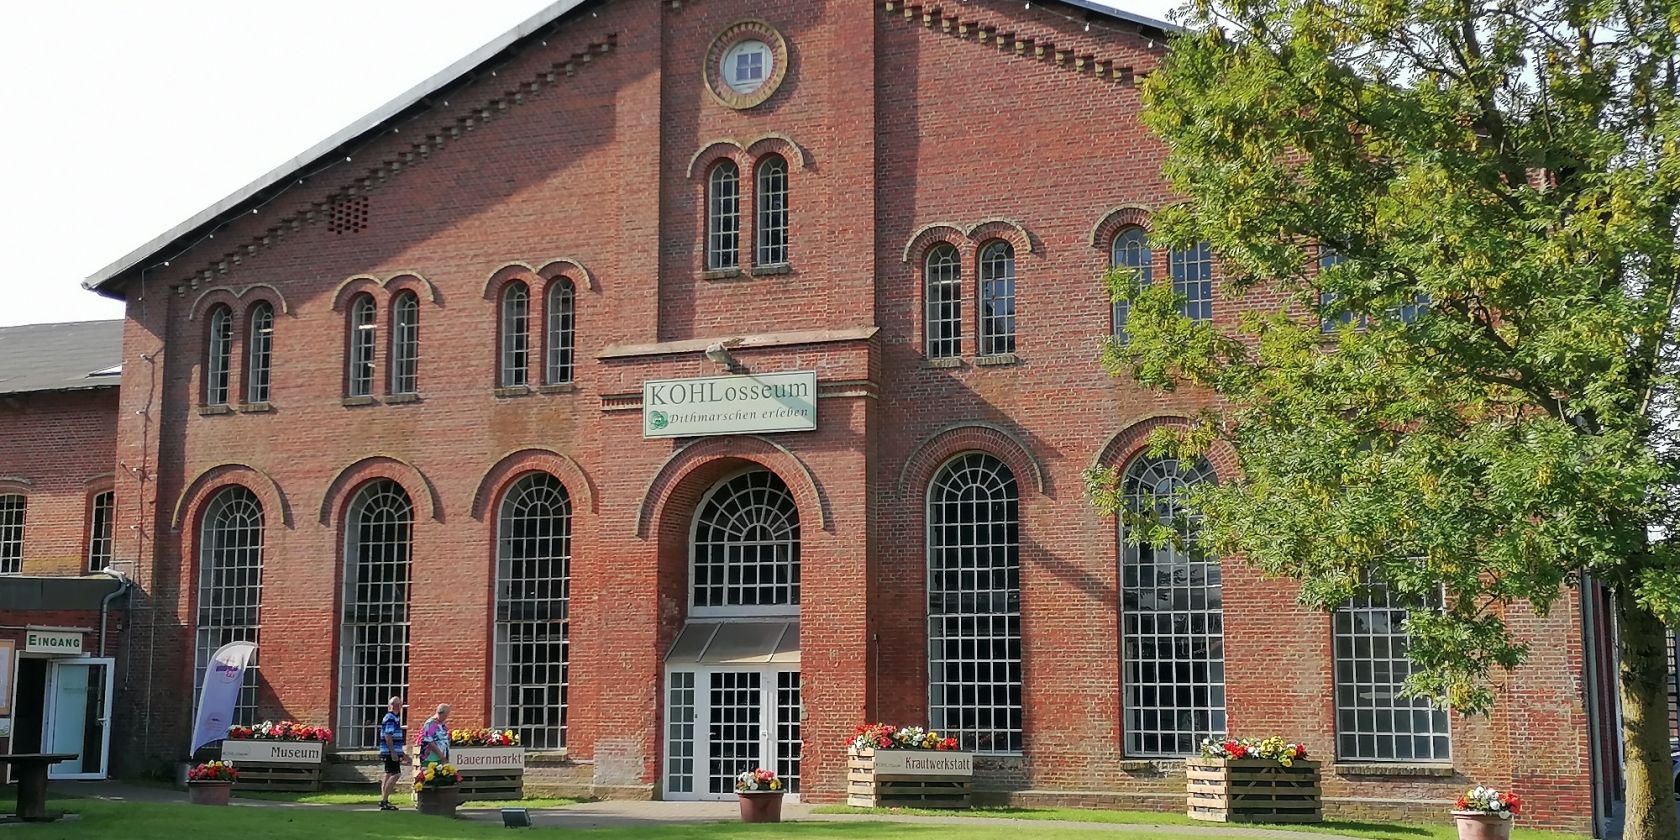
[(391, 752)]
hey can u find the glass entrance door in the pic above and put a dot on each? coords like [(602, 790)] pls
[(78, 717), (722, 722)]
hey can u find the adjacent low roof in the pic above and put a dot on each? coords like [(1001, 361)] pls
[(60, 357), (736, 642)]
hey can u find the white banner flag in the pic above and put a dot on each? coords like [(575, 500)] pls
[(224, 675)]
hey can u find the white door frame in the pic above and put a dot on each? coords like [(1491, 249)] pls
[(51, 713), (767, 726)]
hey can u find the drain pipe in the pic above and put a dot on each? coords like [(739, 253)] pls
[(123, 585)]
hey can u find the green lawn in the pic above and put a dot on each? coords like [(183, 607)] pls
[(401, 798)]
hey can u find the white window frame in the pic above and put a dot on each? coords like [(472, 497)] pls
[(723, 216), (14, 512), (514, 360), (697, 610), (405, 344), (391, 631), (259, 352), (1377, 651), (772, 241), (363, 338), (942, 290), (995, 269), (102, 514), (771, 740), (731, 64), (561, 315), (218, 360), (216, 622), (548, 613), (1191, 270), (1130, 249)]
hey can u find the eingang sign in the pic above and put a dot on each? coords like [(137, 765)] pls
[(727, 405)]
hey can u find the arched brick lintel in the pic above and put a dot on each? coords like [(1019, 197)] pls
[(1124, 216), (538, 278), (716, 149), (735, 448), (521, 462), (971, 436), (1125, 445), (928, 235), (365, 282), (374, 467), (220, 477), (233, 297)]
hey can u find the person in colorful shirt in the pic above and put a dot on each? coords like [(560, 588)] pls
[(434, 737), (391, 740)]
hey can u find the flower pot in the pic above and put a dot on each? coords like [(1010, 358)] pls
[(761, 806), (1475, 825), (209, 793), (439, 801)]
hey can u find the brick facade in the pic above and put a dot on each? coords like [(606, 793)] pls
[(57, 451), (583, 156)]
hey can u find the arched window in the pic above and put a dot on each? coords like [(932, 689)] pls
[(943, 277), (1172, 619), (974, 603), (562, 324), (405, 344), (1192, 278), (363, 335), (516, 334), (230, 566), (746, 548), (1130, 251), (373, 658), (12, 507), (533, 581), (771, 202), (102, 514), (259, 352), (1373, 721), (218, 356), (723, 216), (997, 299)]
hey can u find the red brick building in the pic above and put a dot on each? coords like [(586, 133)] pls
[(437, 409)]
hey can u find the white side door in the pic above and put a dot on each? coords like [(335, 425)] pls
[(78, 717)]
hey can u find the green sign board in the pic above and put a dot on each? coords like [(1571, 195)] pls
[(729, 405)]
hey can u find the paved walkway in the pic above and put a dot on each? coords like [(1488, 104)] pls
[(631, 813)]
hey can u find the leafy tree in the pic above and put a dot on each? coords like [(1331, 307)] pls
[(1508, 171)]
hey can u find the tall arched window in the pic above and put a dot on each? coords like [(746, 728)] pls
[(1130, 251), (516, 334), (1172, 619), (363, 335), (723, 216), (12, 509), (405, 344), (974, 603), (942, 272), (102, 514), (230, 567), (373, 656), (533, 581), (997, 299), (562, 328), (218, 356), (1192, 278), (746, 548), (1373, 721), (259, 352), (771, 201)]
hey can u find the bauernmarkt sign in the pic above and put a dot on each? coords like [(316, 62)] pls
[(728, 405)]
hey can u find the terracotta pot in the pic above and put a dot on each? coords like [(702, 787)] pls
[(439, 801), (209, 793), (761, 807), (1474, 825)]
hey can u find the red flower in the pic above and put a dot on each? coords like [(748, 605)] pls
[(1462, 803)]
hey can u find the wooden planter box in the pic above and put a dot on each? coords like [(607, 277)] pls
[(266, 765), (1253, 790), (909, 779), (490, 772)]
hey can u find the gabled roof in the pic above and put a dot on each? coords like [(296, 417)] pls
[(60, 357), (109, 280)]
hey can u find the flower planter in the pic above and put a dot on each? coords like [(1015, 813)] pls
[(490, 772), (438, 801), (762, 807), (1475, 825), (273, 765), (1252, 790), (209, 793), (909, 778)]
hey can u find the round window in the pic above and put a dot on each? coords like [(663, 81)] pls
[(747, 66)]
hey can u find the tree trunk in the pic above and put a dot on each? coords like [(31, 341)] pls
[(1644, 678)]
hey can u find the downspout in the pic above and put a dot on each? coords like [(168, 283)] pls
[(123, 585), (1594, 673)]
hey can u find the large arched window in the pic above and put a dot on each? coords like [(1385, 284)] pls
[(1373, 721), (259, 352), (942, 278), (771, 202), (562, 329), (218, 356), (974, 603), (533, 580), (1130, 251), (359, 347), (723, 216), (997, 299), (373, 656), (516, 334), (230, 567), (405, 344), (1192, 278), (746, 548), (1172, 619)]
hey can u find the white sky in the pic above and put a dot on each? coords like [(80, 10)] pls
[(125, 118)]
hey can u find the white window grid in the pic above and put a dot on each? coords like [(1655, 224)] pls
[(363, 334), (789, 743), (562, 331), (219, 358), (1373, 721), (373, 660), (259, 353), (533, 580), (723, 216), (680, 734), (230, 567), (1192, 278), (735, 714), (1130, 250), (405, 344), (771, 203), (974, 604), (516, 334), (746, 548), (722, 720), (102, 512), (942, 272), (745, 66), (1172, 619), (1413, 309), (12, 509), (997, 299)]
